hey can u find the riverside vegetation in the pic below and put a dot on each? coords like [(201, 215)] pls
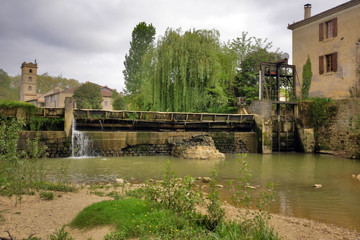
[(171, 209), (21, 170)]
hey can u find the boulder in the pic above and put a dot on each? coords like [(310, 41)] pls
[(120, 180), (197, 147), (206, 179)]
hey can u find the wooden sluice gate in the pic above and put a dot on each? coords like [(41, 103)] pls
[(105, 120)]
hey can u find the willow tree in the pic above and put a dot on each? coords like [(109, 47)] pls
[(188, 72)]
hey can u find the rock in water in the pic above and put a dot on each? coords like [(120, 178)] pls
[(198, 147), (120, 180)]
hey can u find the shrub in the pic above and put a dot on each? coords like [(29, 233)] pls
[(47, 195)]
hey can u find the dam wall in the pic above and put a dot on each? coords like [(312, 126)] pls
[(114, 144)]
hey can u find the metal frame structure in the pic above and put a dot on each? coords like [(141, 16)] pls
[(278, 83)]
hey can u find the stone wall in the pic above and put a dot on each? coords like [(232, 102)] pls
[(140, 143), (235, 142), (55, 141), (340, 134), (160, 143)]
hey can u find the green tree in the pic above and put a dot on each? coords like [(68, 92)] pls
[(306, 77), (7, 90), (188, 72), (118, 102), (88, 96), (143, 37), (45, 83), (250, 53)]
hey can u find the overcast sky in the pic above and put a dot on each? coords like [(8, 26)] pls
[(88, 39)]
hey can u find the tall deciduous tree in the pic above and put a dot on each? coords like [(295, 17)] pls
[(143, 37), (88, 96)]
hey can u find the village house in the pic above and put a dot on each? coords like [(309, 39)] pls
[(55, 98), (331, 40)]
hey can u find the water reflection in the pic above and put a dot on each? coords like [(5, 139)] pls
[(336, 202)]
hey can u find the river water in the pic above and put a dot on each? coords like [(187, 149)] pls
[(337, 202)]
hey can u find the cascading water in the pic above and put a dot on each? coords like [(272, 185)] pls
[(81, 145)]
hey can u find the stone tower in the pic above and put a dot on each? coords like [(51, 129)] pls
[(28, 81)]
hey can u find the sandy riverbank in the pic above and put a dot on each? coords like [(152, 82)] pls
[(42, 218)]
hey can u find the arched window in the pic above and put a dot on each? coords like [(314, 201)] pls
[(30, 79), (30, 71), (29, 88)]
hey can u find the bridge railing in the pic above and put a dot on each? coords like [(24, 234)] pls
[(161, 116)]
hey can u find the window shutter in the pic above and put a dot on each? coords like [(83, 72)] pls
[(334, 21), (321, 32), (334, 61), (321, 65)]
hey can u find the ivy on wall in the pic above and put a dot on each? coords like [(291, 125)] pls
[(306, 76)]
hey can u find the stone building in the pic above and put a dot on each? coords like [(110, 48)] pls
[(55, 98), (28, 81), (331, 39)]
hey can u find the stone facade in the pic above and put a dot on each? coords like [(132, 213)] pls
[(332, 42)]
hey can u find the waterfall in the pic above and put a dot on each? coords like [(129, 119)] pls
[(81, 145), (101, 125)]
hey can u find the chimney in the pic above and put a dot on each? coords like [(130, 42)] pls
[(307, 11)]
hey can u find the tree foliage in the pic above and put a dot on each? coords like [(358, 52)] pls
[(143, 36), (7, 89), (118, 102), (88, 96), (45, 83), (188, 72), (251, 52), (306, 77), (193, 71)]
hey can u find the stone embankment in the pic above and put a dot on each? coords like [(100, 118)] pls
[(340, 133)]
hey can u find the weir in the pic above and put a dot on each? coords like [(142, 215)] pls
[(137, 133), (105, 120)]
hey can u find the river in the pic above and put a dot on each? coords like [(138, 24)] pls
[(336, 202)]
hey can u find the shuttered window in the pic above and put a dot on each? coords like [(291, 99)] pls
[(321, 65), (334, 62), (321, 32), (328, 29), (330, 63)]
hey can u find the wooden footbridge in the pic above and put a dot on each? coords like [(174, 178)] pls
[(104, 120)]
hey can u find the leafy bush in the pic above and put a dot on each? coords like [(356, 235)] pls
[(16, 104), (173, 194), (47, 195), (21, 170), (46, 124), (60, 235)]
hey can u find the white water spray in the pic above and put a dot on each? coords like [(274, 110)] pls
[(81, 145)]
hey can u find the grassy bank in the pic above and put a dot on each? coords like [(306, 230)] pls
[(168, 209)]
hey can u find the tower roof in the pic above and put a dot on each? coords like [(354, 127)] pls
[(30, 64)]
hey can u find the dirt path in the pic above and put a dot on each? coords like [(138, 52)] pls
[(42, 218)]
